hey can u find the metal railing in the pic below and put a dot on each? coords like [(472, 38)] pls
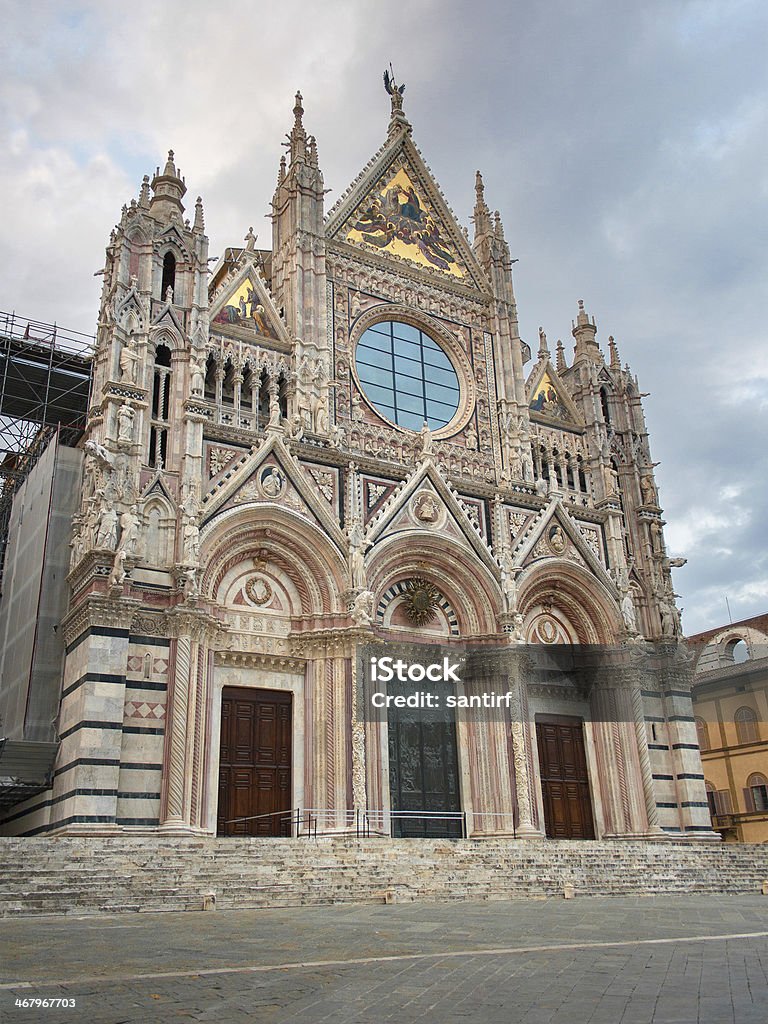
[(373, 823), (48, 336)]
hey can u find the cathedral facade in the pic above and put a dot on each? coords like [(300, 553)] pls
[(341, 442)]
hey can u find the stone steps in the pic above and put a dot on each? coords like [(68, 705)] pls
[(82, 875)]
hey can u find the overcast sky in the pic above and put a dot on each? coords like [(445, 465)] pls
[(626, 146)]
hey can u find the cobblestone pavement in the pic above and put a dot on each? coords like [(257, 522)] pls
[(652, 960)]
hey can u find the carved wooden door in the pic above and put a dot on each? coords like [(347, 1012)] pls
[(564, 777), (255, 763)]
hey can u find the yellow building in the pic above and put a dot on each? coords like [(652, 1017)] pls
[(730, 702)]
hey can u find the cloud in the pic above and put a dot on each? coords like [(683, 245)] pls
[(625, 146)]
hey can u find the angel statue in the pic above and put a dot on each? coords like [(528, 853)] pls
[(395, 91)]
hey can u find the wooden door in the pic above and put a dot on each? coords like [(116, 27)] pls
[(564, 778), (255, 762)]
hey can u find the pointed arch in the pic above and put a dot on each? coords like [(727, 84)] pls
[(262, 532), (585, 602), (470, 590)]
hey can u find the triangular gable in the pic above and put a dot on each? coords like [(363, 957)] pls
[(243, 304), (395, 208), (542, 539), (245, 486), (156, 488), (548, 398), (409, 504), (168, 317)]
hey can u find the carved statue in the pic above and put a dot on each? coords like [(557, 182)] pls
[(274, 409), (321, 416), (427, 509), (337, 435), (106, 533), (426, 440), (125, 420), (128, 359), (518, 636), (657, 537), (648, 491), (190, 581), (104, 458), (118, 574), (362, 608), (272, 483), (196, 375), (357, 554), (296, 427), (557, 540), (129, 531), (191, 540), (628, 612), (250, 240), (509, 575)]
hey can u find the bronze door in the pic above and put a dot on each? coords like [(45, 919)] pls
[(564, 778), (255, 763), (423, 775)]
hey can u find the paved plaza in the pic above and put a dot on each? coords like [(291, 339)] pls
[(652, 960)]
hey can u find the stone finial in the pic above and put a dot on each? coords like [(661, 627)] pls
[(170, 167), (298, 113), (543, 347), (613, 349), (561, 363), (481, 215), (199, 215), (281, 171), (144, 193)]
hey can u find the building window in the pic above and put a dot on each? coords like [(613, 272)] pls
[(169, 274), (702, 733), (737, 651), (604, 405), (719, 801), (406, 376), (746, 725), (161, 399), (756, 793)]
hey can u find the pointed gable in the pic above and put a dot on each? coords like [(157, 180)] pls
[(242, 305), (549, 401), (395, 208)]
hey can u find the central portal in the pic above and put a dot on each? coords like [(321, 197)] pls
[(423, 776), (255, 763)]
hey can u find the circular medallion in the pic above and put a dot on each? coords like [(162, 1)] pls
[(420, 601), (258, 590), (271, 481), (557, 539), (427, 509)]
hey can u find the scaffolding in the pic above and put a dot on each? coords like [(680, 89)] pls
[(45, 381)]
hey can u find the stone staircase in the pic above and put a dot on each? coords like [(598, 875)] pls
[(89, 875)]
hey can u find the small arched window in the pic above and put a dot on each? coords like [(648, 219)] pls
[(604, 405), (161, 401), (702, 733), (737, 651), (169, 274), (746, 725), (756, 793)]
